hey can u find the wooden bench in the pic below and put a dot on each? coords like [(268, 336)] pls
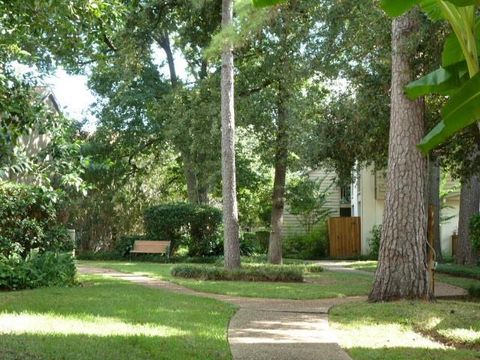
[(150, 247)]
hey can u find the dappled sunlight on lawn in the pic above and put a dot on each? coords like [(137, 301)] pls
[(469, 336), (31, 323), (384, 335)]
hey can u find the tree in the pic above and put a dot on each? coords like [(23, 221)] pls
[(402, 266), (229, 186), (306, 199)]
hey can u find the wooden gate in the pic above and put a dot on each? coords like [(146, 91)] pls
[(344, 236)]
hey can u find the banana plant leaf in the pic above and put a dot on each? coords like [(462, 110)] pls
[(443, 81), (461, 110)]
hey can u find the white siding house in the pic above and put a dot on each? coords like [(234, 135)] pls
[(368, 198), (367, 202), (291, 224)]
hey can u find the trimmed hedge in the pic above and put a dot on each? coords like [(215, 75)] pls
[(268, 273), (474, 291), (472, 272), (197, 226)]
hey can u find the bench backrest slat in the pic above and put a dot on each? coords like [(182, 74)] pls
[(151, 246)]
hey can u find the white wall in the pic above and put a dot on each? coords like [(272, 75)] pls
[(366, 206), (371, 211)]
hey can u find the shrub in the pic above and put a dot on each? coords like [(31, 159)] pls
[(28, 221), (36, 270), (125, 244), (263, 238), (374, 241), (195, 225), (307, 246), (270, 273), (475, 231), (474, 291)]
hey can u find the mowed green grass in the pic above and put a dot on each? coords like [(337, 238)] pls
[(463, 282), (390, 331), (111, 319), (327, 284)]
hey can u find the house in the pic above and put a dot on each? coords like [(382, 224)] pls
[(368, 198), (365, 199), (35, 141), (338, 200)]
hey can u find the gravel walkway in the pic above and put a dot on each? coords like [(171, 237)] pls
[(264, 328)]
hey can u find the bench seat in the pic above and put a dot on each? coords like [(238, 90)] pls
[(150, 247)]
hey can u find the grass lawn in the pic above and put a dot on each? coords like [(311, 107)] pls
[(390, 331), (111, 319), (326, 284), (442, 275)]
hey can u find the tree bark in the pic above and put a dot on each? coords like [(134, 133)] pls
[(402, 267), (278, 196), (434, 201), (469, 206), (229, 188)]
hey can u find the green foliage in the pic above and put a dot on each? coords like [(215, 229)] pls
[(474, 291), (269, 273), (195, 225), (28, 221), (460, 74), (472, 272), (307, 198), (125, 244), (475, 231), (374, 241), (312, 245), (36, 270)]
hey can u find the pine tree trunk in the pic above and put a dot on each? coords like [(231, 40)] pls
[(229, 191), (469, 205), (434, 201), (278, 196), (190, 178), (402, 266)]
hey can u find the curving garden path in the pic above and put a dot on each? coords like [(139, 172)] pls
[(276, 329), (264, 328)]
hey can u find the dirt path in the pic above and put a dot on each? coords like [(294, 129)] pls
[(264, 328)]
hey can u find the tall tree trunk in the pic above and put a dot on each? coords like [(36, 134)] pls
[(469, 206), (278, 196), (434, 201), (190, 177), (402, 267), (229, 187)]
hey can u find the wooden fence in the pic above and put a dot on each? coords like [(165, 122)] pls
[(344, 236)]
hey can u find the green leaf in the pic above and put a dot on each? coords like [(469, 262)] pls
[(442, 81), (265, 3), (461, 3), (396, 8), (462, 110), (452, 51)]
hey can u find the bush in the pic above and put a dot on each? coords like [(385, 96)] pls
[(474, 291), (263, 238), (271, 273), (374, 241), (475, 231), (125, 244), (36, 270), (28, 221), (195, 225), (460, 270), (307, 246)]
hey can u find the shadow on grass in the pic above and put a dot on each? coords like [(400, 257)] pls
[(111, 319)]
